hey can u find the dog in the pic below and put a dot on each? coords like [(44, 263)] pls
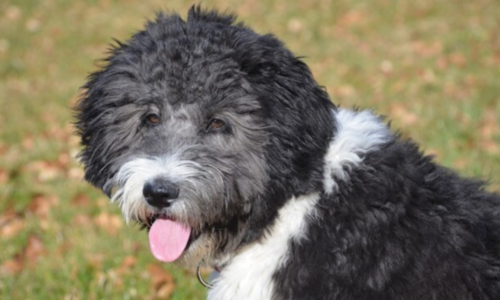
[(222, 145)]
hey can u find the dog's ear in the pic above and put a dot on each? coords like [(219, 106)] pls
[(261, 58)]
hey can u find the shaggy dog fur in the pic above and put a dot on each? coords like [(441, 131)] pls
[(207, 124)]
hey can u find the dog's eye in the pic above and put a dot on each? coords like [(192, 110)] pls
[(153, 118), (215, 124)]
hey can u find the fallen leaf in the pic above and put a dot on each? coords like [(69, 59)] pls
[(129, 261), (489, 126), (28, 142), (12, 13), (74, 142), (32, 25), (95, 260), (64, 248), (127, 264), (81, 220), (352, 18), (162, 283), (44, 170), (80, 200), (427, 48), (108, 222), (402, 113), (386, 66), (33, 249), (4, 176), (41, 205), (12, 228), (490, 146), (457, 59), (3, 148), (27, 256), (490, 131), (295, 25), (12, 266), (10, 224), (76, 173), (63, 160)]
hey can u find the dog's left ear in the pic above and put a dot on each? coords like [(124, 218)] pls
[(298, 110), (265, 58)]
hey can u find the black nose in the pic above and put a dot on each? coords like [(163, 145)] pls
[(160, 192)]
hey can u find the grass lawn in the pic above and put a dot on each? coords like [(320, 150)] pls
[(432, 67)]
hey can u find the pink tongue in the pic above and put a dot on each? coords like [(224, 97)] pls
[(168, 239)]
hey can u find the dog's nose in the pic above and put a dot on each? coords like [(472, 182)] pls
[(160, 192)]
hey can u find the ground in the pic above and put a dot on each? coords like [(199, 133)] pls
[(431, 67)]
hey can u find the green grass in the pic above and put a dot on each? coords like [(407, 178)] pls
[(431, 66)]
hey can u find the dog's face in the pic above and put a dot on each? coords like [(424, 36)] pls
[(200, 130)]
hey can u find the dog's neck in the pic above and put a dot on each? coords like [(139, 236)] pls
[(248, 275)]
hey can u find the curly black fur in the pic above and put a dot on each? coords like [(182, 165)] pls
[(396, 226), (401, 228)]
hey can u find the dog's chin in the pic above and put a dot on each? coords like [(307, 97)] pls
[(198, 250)]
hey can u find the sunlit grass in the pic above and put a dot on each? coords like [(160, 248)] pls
[(431, 67)]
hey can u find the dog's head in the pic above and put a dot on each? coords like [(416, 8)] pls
[(201, 130)]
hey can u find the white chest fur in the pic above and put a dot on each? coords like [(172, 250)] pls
[(249, 273)]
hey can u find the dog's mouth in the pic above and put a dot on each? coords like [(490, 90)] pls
[(168, 239)]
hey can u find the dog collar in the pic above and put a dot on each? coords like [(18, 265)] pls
[(200, 278)]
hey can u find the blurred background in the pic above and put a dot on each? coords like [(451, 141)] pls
[(432, 67)]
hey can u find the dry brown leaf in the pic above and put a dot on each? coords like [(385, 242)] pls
[(81, 220), (3, 148), (76, 173), (460, 163), (41, 205), (162, 283), (402, 113), (12, 228), (33, 249), (27, 256), (57, 132), (110, 223), (44, 170), (129, 261), (12, 13), (10, 224), (490, 130), (295, 25), (137, 247), (95, 260), (489, 126), (490, 146), (4, 176), (63, 160), (427, 49), (64, 248), (353, 17), (457, 59), (127, 264), (74, 141), (12, 266), (32, 25), (80, 200), (28, 142)]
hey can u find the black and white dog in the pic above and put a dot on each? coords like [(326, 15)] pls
[(219, 141)]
